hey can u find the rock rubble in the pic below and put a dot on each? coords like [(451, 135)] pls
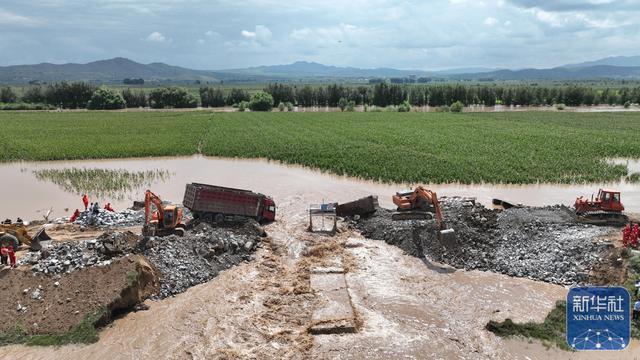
[(538, 243), (185, 261), (200, 255), (104, 218)]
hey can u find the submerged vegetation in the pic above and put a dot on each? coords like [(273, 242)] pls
[(100, 182), (551, 332), (517, 147), (83, 333)]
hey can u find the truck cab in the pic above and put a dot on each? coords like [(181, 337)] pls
[(268, 209)]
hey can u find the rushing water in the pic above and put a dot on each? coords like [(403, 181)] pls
[(26, 196), (404, 305)]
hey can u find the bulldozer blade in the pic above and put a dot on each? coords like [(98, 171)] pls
[(41, 235), (447, 238), (411, 215)]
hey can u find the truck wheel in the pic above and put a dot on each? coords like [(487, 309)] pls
[(219, 218), (208, 218), (179, 231)]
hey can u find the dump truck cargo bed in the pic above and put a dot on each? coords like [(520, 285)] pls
[(209, 202), (363, 206)]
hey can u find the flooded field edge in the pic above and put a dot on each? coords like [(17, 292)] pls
[(36, 197)]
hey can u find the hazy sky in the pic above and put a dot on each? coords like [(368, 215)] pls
[(208, 34)]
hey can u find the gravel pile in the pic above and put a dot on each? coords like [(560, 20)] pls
[(106, 218), (200, 255), (67, 257), (185, 261), (537, 243)]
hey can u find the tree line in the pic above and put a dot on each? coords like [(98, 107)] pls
[(385, 94), (77, 95)]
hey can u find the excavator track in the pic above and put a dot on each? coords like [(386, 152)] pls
[(603, 218), (412, 215)]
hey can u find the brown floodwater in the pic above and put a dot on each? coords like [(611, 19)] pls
[(408, 307), (23, 195)]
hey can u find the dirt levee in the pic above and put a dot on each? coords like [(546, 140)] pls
[(46, 303)]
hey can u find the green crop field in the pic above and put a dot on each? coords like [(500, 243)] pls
[(523, 147)]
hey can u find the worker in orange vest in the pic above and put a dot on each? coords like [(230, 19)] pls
[(85, 201), (626, 235), (108, 207), (75, 216)]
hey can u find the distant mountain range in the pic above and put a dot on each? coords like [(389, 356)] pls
[(117, 69), (625, 61), (112, 70)]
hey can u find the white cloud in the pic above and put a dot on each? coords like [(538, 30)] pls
[(248, 34), (261, 34), (211, 33), (550, 18), (156, 37), (490, 21), (200, 41), (11, 18)]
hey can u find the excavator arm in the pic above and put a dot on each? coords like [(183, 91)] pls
[(432, 198), (151, 198)]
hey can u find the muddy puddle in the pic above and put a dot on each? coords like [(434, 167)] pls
[(28, 196)]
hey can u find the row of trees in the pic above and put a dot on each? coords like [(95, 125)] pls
[(385, 94), (81, 95), (216, 97)]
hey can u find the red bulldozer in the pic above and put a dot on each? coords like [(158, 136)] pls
[(605, 209)]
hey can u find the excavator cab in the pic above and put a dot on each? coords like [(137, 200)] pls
[(423, 203), (165, 220), (170, 216)]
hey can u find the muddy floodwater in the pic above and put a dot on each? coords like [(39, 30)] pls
[(409, 307), (23, 195)]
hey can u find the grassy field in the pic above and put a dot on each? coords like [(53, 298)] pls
[(522, 147)]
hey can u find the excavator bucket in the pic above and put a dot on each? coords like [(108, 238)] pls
[(447, 238), (41, 235)]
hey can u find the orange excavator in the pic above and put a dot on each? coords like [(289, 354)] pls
[(165, 220), (422, 203)]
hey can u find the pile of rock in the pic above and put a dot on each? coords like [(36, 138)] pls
[(538, 243), (106, 218), (200, 255), (184, 261), (67, 257)]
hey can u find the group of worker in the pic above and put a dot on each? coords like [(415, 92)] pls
[(93, 207), (8, 246)]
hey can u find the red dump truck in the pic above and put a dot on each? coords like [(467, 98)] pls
[(212, 203)]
